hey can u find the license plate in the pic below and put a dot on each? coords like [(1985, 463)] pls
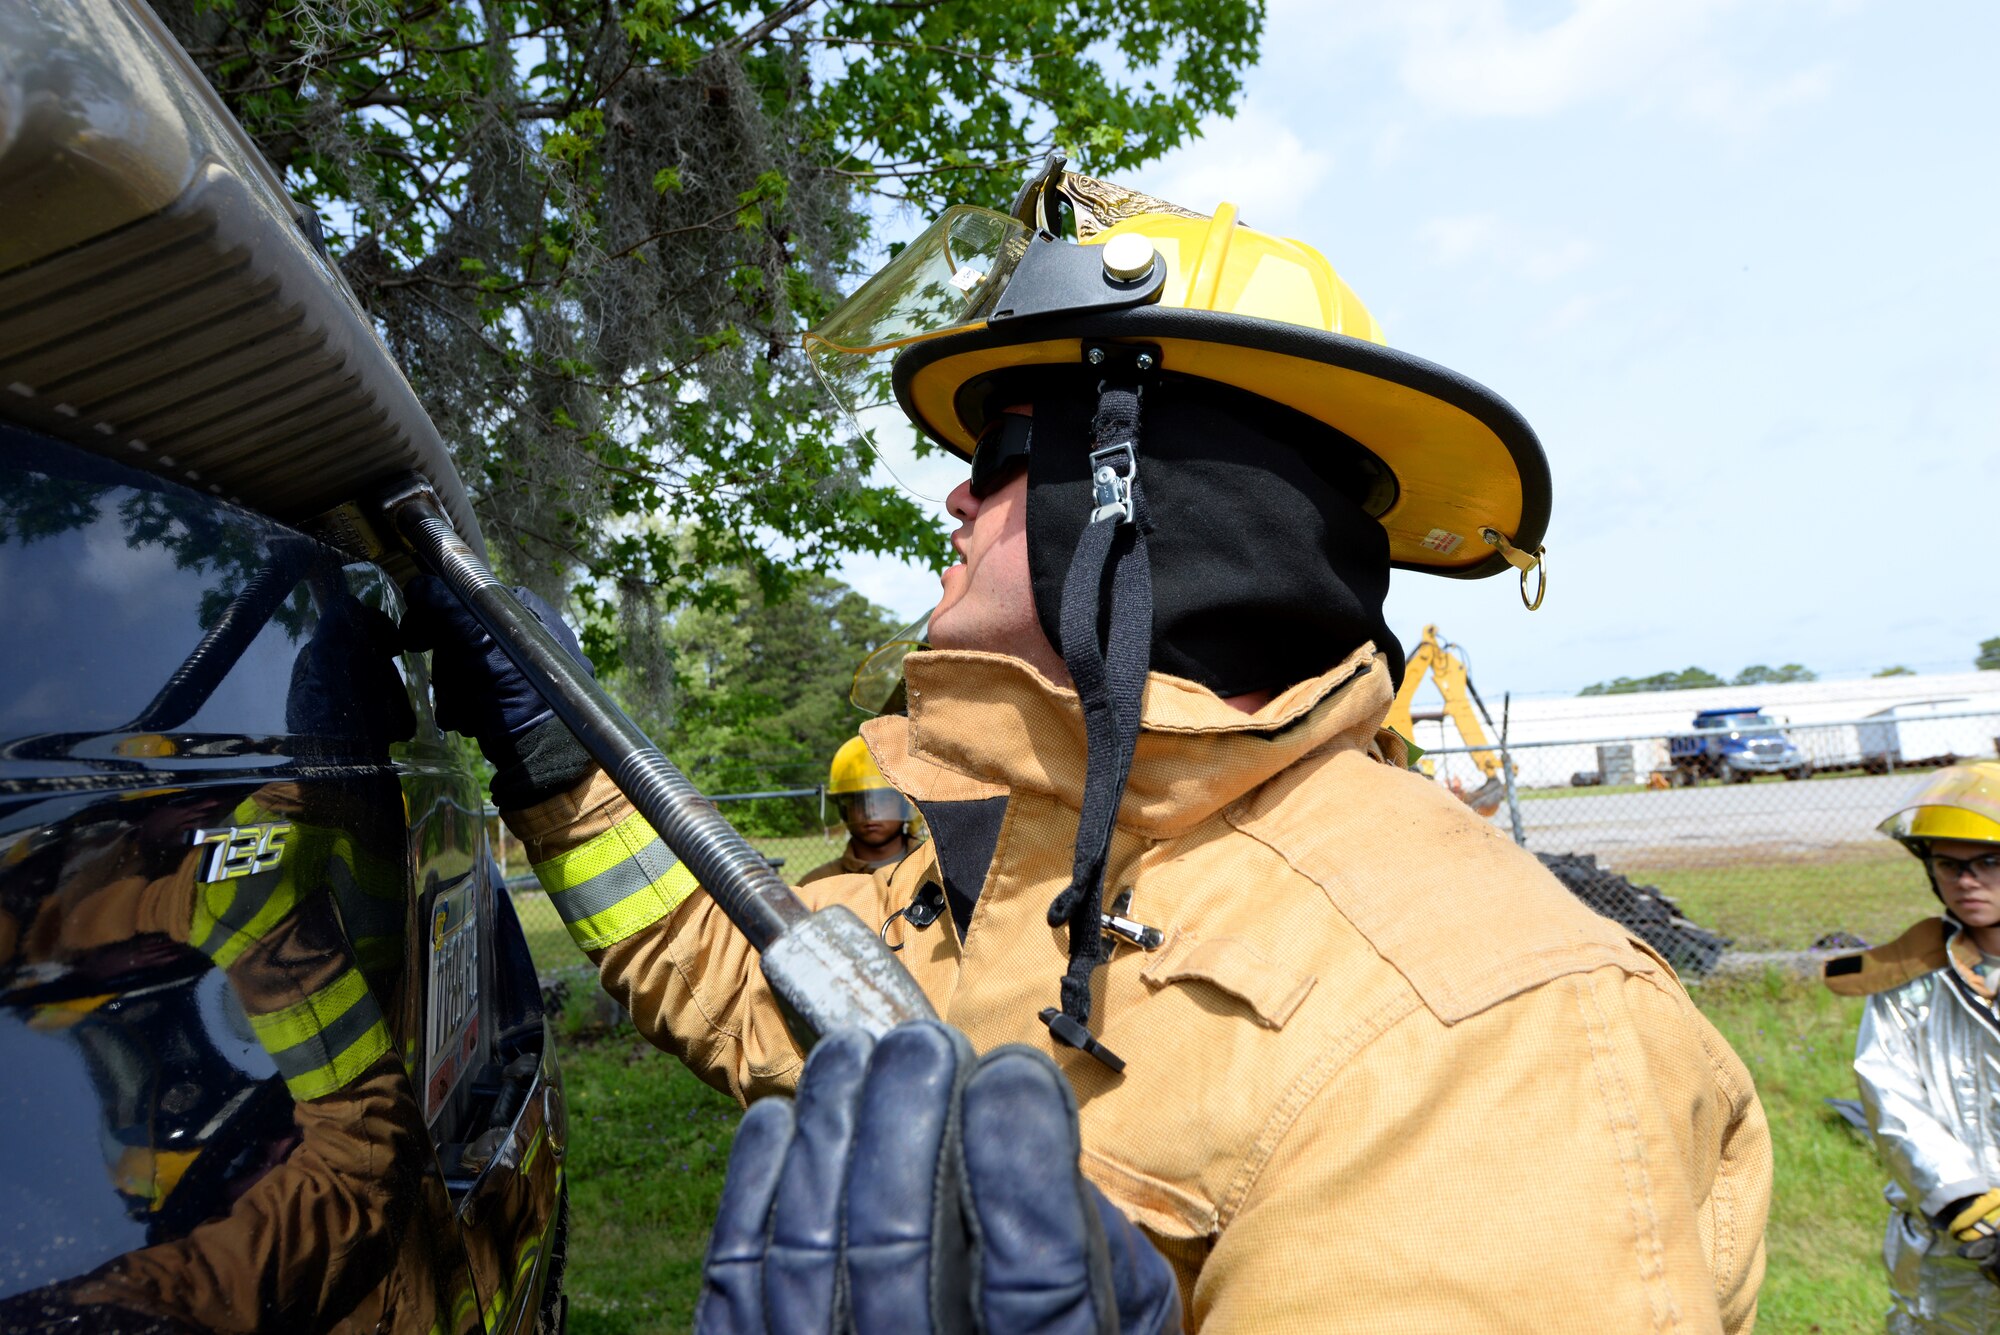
[(451, 1015)]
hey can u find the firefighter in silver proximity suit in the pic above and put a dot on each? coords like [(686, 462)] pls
[(1928, 1061)]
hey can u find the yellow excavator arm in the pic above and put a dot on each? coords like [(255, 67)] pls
[(1434, 659)]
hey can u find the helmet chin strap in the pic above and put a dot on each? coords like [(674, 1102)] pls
[(1107, 638)]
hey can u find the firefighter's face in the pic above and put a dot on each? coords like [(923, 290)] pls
[(989, 597), (1966, 881), (873, 833), (875, 817)]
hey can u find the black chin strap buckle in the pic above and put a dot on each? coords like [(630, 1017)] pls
[(1111, 472), (1069, 1031)]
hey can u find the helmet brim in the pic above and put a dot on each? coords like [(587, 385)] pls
[(1463, 458)]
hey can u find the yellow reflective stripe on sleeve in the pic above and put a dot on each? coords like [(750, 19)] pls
[(524, 1268), (636, 913), (601, 854), (358, 1057), (297, 1023), (616, 885), (323, 1042), (231, 916)]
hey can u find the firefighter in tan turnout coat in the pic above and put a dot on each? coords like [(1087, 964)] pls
[(1350, 1059)]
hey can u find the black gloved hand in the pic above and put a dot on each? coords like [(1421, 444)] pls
[(344, 683), (917, 1188), (479, 693)]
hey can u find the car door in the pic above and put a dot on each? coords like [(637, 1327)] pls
[(212, 970), (491, 1093)]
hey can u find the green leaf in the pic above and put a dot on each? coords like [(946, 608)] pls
[(592, 234)]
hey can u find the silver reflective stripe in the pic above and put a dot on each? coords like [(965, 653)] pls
[(321, 1049), (253, 893), (615, 884)]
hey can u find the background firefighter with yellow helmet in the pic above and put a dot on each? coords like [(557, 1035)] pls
[(877, 817), (1927, 1059), (1346, 1057)]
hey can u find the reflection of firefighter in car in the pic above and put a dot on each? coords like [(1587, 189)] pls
[(270, 894)]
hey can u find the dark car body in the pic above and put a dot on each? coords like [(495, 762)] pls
[(272, 1052), (222, 798)]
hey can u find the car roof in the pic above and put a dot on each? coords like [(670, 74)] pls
[(165, 303)]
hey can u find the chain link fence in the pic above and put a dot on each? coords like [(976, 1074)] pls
[(794, 828), (1759, 829), (1760, 832)]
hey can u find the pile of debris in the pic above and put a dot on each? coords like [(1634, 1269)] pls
[(1649, 915)]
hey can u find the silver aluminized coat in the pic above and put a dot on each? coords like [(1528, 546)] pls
[(1928, 1062)]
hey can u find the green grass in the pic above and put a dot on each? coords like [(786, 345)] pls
[(650, 1141), (1770, 904), (548, 942), (649, 1144), (1825, 1236)]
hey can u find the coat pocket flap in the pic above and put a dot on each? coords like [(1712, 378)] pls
[(1160, 1208), (1271, 991)]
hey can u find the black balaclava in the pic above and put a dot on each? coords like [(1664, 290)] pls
[(1267, 569), (1248, 546)]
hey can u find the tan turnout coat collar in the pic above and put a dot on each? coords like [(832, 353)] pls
[(1928, 946), (985, 725)]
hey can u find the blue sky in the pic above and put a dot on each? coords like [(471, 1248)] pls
[(1735, 261)]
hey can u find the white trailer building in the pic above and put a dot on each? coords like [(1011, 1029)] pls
[(1890, 721)]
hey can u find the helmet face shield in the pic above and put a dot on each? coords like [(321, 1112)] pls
[(873, 804), (878, 682), (1958, 802), (913, 357), (944, 281)]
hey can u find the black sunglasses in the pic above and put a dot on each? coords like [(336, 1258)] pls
[(1002, 445)]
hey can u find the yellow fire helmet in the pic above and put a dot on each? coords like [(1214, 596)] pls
[(1958, 802), (858, 787), (932, 338)]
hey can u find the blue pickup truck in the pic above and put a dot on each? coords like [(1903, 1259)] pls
[(1735, 745)]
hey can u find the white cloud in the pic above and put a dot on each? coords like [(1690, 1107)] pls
[(1389, 142), (1489, 58), (1494, 244), (1254, 161), (1729, 101), (1453, 240), (1577, 310), (1562, 257), (1473, 57)]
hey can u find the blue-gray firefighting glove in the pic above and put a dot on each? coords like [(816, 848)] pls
[(481, 694), (916, 1187)]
